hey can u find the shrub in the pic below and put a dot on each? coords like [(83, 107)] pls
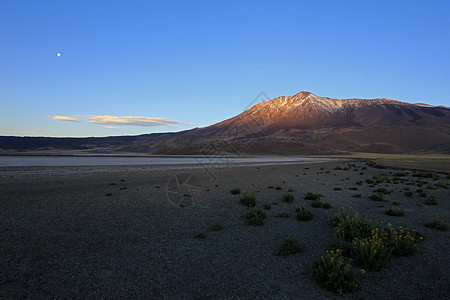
[(380, 178), (304, 214), (382, 191), (200, 235), (408, 194), (283, 215), (216, 226), (248, 199), (399, 174), (338, 168), (402, 241), (349, 225), (337, 189), (395, 203), (255, 217), (267, 206), (290, 190), (333, 272), (426, 175), (316, 204), (108, 194), (235, 190), (422, 194), (288, 197), (357, 196), (290, 246), (346, 247), (431, 201), (270, 187), (376, 197), (312, 196), (359, 183), (369, 181), (278, 188), (326, 205), (395, 212), (437, 223), (372, 252), (353, 188)]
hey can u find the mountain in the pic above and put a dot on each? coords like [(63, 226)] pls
[(299, 124)]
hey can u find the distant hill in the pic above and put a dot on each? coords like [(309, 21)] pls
[(296, 125)]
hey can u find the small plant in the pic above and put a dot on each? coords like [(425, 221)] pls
[(108, 194), (408, 194), (395, 203), (402, 241), (354, 188), (334, 273), (380, 178), (248, 199), (278, 188), (426, 175), (290, 246), (326, 205), (359, 183), (290, 190), (267, 206), (288, 197), (316, 204), (216, 226), (431, 201), (437, 223), (395, 212), (346, 247), (369, 181), (304, 214), (357, 196), (376, 197), (349, 225), (399, 174), (382, 191), (283, 215), (312, 196), (255, 217), (337, 189), (422, 194), (235, 190), (270, 187), (200, 235)]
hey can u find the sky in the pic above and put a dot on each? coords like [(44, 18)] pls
[(105, 68)]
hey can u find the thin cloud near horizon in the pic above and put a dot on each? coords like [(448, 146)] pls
[(120, 120)]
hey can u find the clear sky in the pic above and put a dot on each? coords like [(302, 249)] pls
[(174, 65)]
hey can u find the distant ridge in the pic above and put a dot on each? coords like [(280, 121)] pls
[(288, 125)]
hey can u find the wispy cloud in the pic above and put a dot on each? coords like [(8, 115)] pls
[(126, 120), (65, 118), (112, 127)]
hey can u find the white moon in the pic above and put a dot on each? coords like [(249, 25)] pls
[(58, 54)]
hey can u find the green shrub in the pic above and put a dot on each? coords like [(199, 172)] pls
[(422, 194), (399, 174), (326, 205), (304, 214), (402, 241), (376, 197), (371, 252), (382, 191), (359, 183), (437, 223), (200, 235), (346, 247), (270, 187), (288, 197), (431, 201), (267, 206), (248, 199), (216, 226), (278, 188), (235, 190), (312, 196), (408, 194), (395, 212), (316, 204), (338, 168), (290, 190), (369, 181), (333, 272), (380, 178), (255, 217), (357, 196), (353, 188), (337, 189), (290, 246), (349, 225), (395, 203), (283, 215), (426, 175)]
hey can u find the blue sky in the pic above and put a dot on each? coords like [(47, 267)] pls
[(178, 64)]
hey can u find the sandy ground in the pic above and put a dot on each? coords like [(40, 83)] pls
[(63, 236)]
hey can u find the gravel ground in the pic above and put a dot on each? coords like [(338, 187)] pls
[(62, 236)]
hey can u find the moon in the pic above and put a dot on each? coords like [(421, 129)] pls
[(58, 54)]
